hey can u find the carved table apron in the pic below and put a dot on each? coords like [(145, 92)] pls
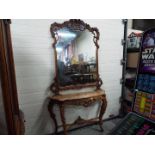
[(81, 99)]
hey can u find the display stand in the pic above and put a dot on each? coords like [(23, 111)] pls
[(142, 118), (123, 63), (131, 50)]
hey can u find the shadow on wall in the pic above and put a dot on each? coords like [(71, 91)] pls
[(34, 72), (44, 123)]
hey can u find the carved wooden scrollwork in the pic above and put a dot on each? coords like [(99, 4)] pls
[(96, 36), (76, 25), (54, 88), (99, 83), (84, 102), (71, 68)]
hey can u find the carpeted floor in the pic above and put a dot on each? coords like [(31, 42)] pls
[(95, 130)]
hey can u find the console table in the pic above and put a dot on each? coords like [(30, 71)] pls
[(80, 99)]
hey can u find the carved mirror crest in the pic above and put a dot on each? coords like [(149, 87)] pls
[(76, 55)]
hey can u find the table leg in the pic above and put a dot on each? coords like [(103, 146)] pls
[(62, 114), (102, 111), (50, 109)]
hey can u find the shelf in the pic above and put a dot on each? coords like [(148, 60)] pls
[(129, 87), (149, 73), (145, 91), (129, 103), (133, 50), (130, 83), (132, 68)]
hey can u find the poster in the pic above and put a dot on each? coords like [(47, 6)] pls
[(147, 64)]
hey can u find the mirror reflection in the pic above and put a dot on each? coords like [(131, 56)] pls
[(76, 57)]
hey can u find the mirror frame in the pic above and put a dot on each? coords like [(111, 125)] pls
[(78, 25)]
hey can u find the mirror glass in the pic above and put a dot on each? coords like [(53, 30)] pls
[(76, 57)]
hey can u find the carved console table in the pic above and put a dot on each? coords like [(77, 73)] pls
[(79, 99)]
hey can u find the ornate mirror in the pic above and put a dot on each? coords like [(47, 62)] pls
[(76, 55)]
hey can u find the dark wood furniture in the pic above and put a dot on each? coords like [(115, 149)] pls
[(78, 99), (75, 71), (14, 120)]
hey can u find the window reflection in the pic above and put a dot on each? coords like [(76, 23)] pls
[(76, 57)]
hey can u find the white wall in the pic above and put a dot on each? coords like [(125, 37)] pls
[(130, 21), (34, 62)]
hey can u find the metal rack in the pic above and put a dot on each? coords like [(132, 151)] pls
[(125, 69), (123, 63)]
